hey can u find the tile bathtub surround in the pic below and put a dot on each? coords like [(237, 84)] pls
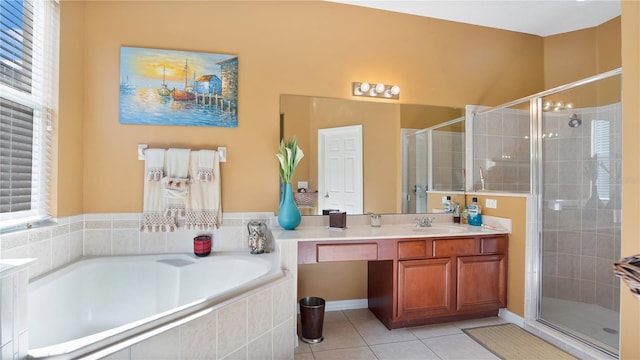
[(115, 234), (53, 246), (250, 327), (118, 234), (13, 310)]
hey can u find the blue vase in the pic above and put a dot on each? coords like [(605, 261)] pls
[(288, 215)]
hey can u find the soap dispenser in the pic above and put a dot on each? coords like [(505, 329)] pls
[(474, 213)]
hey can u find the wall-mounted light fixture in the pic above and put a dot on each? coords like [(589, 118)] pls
[(378, 90), (556, 106)]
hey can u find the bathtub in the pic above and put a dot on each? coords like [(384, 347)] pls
[(100, 303)]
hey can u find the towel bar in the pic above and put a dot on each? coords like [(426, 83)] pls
[(222, 152)]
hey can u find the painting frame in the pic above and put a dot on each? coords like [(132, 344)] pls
[(178, 88)]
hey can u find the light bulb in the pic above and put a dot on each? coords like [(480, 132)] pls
[(380, 88), (395, 90), (364, 87)]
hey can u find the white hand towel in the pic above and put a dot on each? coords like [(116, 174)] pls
[(154, 164), (153, 219), (176, 181), (205, 165), (204, 209)]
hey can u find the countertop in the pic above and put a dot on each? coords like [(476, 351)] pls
[(364, 232)]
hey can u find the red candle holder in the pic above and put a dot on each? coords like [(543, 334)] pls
[(202, 245)]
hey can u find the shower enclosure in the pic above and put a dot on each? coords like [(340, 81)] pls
[(564, 146), (432, 161)]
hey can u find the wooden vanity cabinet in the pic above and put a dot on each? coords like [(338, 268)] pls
[(435, 280), (481, 283), (419, 298)]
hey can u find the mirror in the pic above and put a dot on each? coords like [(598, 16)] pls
[(433, 161), (388, 158)]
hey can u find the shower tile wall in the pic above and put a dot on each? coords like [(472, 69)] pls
[(582, 231), (501, 149), (448, 160)]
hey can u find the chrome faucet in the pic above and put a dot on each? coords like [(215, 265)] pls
[(424, 222)]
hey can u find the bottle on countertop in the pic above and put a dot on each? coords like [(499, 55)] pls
[(456, 214), (446, 205), (474, 213), (464, 217)]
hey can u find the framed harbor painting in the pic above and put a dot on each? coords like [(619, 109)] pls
[(170, 87)]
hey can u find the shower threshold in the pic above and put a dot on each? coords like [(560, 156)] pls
[(590, 324)]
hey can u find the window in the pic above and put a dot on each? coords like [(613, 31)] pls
[(600, 152), (29, 32)]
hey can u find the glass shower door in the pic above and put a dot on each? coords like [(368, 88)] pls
[(580, 189), (415, 165)]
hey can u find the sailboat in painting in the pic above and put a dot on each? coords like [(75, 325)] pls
[(164, 90), (184, 95), (126, 86)]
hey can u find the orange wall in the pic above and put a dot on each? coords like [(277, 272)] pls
[(69, 148), (514, 208), (630, 306), (576, 55), (321, 279), (307, 48)]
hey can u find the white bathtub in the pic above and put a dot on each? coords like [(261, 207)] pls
[(98, 302)]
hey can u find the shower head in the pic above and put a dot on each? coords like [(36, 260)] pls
[(575, 121)]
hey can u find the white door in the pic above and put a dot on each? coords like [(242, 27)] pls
[(340, 169)]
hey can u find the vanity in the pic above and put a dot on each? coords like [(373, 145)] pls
[(419, 276)]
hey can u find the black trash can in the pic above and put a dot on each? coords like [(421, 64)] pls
[(311, 319)]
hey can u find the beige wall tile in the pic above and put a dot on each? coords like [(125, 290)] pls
[(163, 346), (232, 327)]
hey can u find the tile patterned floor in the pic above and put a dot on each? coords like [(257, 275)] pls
[(357, 334)]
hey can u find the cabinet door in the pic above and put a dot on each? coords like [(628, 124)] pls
[(482, 283), (425, 287)]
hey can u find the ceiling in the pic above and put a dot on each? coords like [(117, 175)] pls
[(537, 17)]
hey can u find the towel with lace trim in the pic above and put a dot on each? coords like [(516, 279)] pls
[(176, 182), (206, 160), (153, 218), (204, 209)]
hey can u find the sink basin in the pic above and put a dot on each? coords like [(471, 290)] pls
[(440, 229)]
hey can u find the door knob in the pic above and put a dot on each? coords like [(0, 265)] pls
[(326, 195)]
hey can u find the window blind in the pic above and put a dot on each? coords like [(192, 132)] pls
[(600, 150), (29, 49)]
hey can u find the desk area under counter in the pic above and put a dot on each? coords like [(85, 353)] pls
[(415, 276)]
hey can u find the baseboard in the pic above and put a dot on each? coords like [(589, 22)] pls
[(510, 317), (338, 305)]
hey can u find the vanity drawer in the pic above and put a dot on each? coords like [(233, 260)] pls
[(457, 247), (413, 249), (494, 245), (347, 252)]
